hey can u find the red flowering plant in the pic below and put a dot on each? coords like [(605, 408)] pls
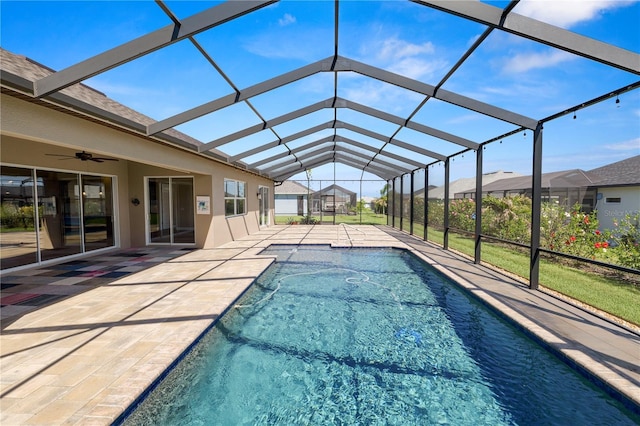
[(573, 232)]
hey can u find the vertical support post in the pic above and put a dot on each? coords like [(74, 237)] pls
[(411, 200), (426, 202), (334, 192), (389, 202), (401, 201), (536, 206), (320, 200), (360, 204), (478, 230), (445, 240), (393, 203)]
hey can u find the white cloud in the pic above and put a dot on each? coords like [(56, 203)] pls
[(394, 49), (412, 60), (287, 19), (290, 44), (463, 119), (566, 13), (416, 68), (527, 61), (383, 96), (630, 145)]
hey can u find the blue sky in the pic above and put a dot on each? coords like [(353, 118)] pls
[(398, 36)]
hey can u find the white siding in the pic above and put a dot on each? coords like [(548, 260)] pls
[(608, 211), (288, 205)]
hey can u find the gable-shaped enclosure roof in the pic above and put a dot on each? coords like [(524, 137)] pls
[(337, 127)]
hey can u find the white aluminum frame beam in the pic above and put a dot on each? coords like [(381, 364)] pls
[(409, 124), (380, 151), (248, 131), (283, 141), (381, 173), (285, 174), (374, 160), (346, 64), (293, 160), (315, 144), (242, 95), (341, 103), (396, 142), (148, 43), (540, 32)]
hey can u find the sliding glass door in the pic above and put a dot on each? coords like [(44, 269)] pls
[(49, 214), (263, 199), (97, 211), (170, 210)]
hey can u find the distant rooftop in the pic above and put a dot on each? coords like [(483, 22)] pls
[(290, 187)]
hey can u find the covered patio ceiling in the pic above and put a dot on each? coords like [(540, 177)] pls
[(266, 144)]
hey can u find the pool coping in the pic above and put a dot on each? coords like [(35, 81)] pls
[(41, 389)]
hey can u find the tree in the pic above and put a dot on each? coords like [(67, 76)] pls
[(381, 203)]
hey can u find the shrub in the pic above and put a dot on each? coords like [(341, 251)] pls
[(572, 232), (436, 212), (462, 214), (13, 216), (508, 218), (626, 238), (308, 220)]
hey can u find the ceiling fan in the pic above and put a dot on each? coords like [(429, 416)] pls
[(83, 156)]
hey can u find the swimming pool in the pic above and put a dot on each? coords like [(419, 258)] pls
[(369, 336)]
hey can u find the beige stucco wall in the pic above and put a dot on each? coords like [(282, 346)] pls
[(30, 131)]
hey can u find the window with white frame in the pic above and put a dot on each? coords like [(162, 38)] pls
[(234, 197)]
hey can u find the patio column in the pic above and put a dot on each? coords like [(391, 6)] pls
[(536, 206), (445, 240), (478, 229)]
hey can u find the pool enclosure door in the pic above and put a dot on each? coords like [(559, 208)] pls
[(170, 210), (263, 199)]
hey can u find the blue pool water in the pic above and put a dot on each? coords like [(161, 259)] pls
[(369, 337)]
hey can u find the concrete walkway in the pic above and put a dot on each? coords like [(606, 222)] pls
[(86, 358)]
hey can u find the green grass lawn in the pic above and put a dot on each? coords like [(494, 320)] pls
[(368, 218)]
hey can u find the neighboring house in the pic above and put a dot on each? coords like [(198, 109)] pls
[(566, 187), (618, 190), (368, 202), (334, 198), (465, 186), (612, 190), (291, 199)]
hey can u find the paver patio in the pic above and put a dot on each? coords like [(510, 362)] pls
[(85, 357)]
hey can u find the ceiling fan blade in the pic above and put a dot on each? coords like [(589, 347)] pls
[(66, 157), (83, 156)]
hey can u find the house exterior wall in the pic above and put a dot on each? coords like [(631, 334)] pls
[(608, 210), (287, 204), (29, 132)]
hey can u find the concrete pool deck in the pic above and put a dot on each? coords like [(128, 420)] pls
[(84, 358)]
